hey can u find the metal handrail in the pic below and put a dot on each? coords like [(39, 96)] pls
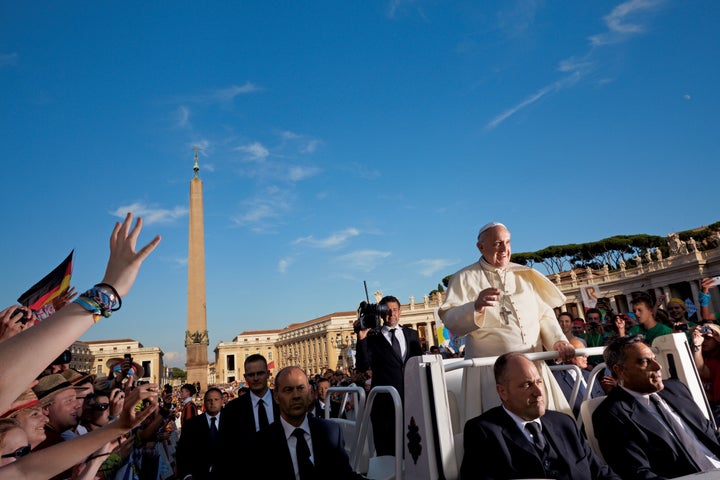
[(534, 356), (365, 422)]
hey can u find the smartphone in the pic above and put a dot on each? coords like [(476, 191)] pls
[(24, 319), (128, 356), (715, 281)]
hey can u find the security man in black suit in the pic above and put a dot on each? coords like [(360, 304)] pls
[(386, 350), (256, 409), (521, 438), (298, 445), (649, 427), (201, 449)]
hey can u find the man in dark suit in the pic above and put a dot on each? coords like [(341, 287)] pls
[(319, 404), (521, 439), (297, 444), (250, 412), (566, 378), (647, 427), (386, 350), (200, 450)]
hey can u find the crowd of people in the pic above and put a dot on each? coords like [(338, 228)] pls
[(57, 423)]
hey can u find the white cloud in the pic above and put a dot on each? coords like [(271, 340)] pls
[(182, 115), (687, 96), (553, 87), (150, 214), (269, 205), (288, 135), (620, 24), (175, 359), (255, 151), (365, 260), (295, 174), (283, 264), (225, 95), (428, 267), (8, 59), (334, 240), (310, 146)]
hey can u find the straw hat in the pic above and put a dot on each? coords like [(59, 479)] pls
[(49, 386), (114, 364), (27, 399)]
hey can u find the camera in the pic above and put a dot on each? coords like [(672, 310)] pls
[(705, 330), (682, 327), (370, 314)]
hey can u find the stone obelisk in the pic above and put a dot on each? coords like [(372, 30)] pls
[(196, 336)]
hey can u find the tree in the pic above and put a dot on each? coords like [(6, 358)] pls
[(178, 373)]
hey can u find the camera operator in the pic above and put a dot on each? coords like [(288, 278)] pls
[(385, 349)]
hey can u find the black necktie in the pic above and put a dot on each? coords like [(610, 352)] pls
[(262, 415), (537, 436), (684, 438), (213, 430), (395, 343), (306, 469)]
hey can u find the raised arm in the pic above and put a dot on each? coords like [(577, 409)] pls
[(27, 354)]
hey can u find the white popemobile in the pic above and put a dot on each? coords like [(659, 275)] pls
[(429, 436)]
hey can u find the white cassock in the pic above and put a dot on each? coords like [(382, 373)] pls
[(523, 320)]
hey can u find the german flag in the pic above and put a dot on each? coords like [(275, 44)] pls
[(50, 287)]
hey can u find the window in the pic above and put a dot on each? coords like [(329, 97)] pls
[(99, 369), (146, 366), (269, 355), (231, 379), (230, 359)]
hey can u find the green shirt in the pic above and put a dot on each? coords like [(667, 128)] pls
[(650, 335)]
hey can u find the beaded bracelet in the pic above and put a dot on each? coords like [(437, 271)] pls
[(101, 301)]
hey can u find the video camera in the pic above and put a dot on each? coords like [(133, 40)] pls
[(370, 315)]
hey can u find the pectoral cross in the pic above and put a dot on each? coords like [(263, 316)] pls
[(505, 314)]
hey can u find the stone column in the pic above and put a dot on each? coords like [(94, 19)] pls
[(695, 289)]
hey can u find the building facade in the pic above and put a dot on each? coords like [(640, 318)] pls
[(82, 358), (678, 276), (315, 345), (150, 358)]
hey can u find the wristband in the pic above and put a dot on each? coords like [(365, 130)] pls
[(704, 299), (101, 301)]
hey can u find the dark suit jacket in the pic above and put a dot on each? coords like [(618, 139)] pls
[(240, 419), (319, 412), (637, 445), (271, 454), (567, 383), (387, 368), (195, 454), (495, 448)]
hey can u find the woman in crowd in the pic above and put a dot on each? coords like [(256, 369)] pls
[(706, 352)]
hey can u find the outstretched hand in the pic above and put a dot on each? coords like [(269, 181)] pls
[(565, 349), (130, 418), (124, 262)]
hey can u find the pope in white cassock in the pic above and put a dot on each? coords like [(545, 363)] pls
[(503, 307)]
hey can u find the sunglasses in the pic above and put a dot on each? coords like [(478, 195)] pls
[(101, 407), (19, 453)]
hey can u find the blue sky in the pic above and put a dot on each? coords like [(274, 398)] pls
[(343, 141)]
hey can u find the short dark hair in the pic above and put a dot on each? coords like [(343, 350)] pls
[(615, 351), (212, 389), (593, 310), (500, 367), (190, 388), (389, 298), (566, 314), (255, 357), (643, 298)]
